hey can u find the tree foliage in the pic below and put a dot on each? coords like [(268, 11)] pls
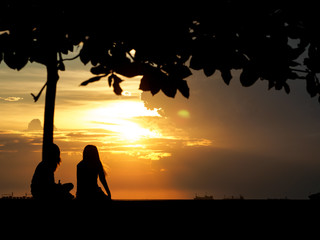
[(255, 37)]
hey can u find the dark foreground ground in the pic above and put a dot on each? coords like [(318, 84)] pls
[(157, 219), (166, 207)]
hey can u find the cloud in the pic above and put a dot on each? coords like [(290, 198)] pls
[(239, 140), (19, 155), (35, 125), (154, 156), (183, 165), (11, 99), (226, 172)]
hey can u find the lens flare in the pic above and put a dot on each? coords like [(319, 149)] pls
[(184, 114)]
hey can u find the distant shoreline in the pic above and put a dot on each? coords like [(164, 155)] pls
[(156, 200)]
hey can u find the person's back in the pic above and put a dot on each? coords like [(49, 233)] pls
[(87, 180), (88, 171), (42, 183)]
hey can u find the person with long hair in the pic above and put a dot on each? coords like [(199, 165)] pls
[(88, 171), (43, 185)]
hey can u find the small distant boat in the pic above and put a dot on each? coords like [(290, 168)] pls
[(233, 198), (205, 197), (315, 196), (10, 196)]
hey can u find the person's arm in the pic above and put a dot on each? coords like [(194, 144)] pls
[(103, 180)]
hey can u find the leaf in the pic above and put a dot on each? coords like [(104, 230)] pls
[(293, 76), (294, 64), (184, 72), (129, 69), (271, 84), (100, 70), (169, 90), (84, 55), (144, 84), (209, 70), (279, 85), (116, 84), (248, 77), (294, 53), (110, 80), (286, 88), (61, 66), (311, 85), (152, 80), (117, 89), (15, 60), (178, 71), (91, 80), (196, 63), (226, 75), (116, 79), (184, 88), (155, 90)]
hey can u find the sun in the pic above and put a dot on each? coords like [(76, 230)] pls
[(122, 110), (120, 118), (134, 132)]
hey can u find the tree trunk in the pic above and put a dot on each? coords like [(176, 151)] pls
[(52, 79)]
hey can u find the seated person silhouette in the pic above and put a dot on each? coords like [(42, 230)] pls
[(88, 171), (43, 185)]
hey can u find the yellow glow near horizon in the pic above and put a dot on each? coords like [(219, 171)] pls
[(122, 110), (134, 132), (127, 130), (118, 117)]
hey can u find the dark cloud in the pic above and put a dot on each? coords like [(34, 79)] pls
[(237, 117), (19, 156), (35, 125), (265, 141), (223, 172)]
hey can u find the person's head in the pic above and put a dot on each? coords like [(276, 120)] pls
[(90, 153), (54, 156), (91, 156)]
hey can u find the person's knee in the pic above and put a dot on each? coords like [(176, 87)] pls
[(68, 186)]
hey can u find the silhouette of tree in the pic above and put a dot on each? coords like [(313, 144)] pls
[(168, 40)]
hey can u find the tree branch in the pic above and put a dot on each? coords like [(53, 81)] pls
[(300, 71), (70, 59), (35, 98)]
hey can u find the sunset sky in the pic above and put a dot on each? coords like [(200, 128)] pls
[(223, 141)]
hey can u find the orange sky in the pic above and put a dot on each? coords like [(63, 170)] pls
[(223, 141)]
